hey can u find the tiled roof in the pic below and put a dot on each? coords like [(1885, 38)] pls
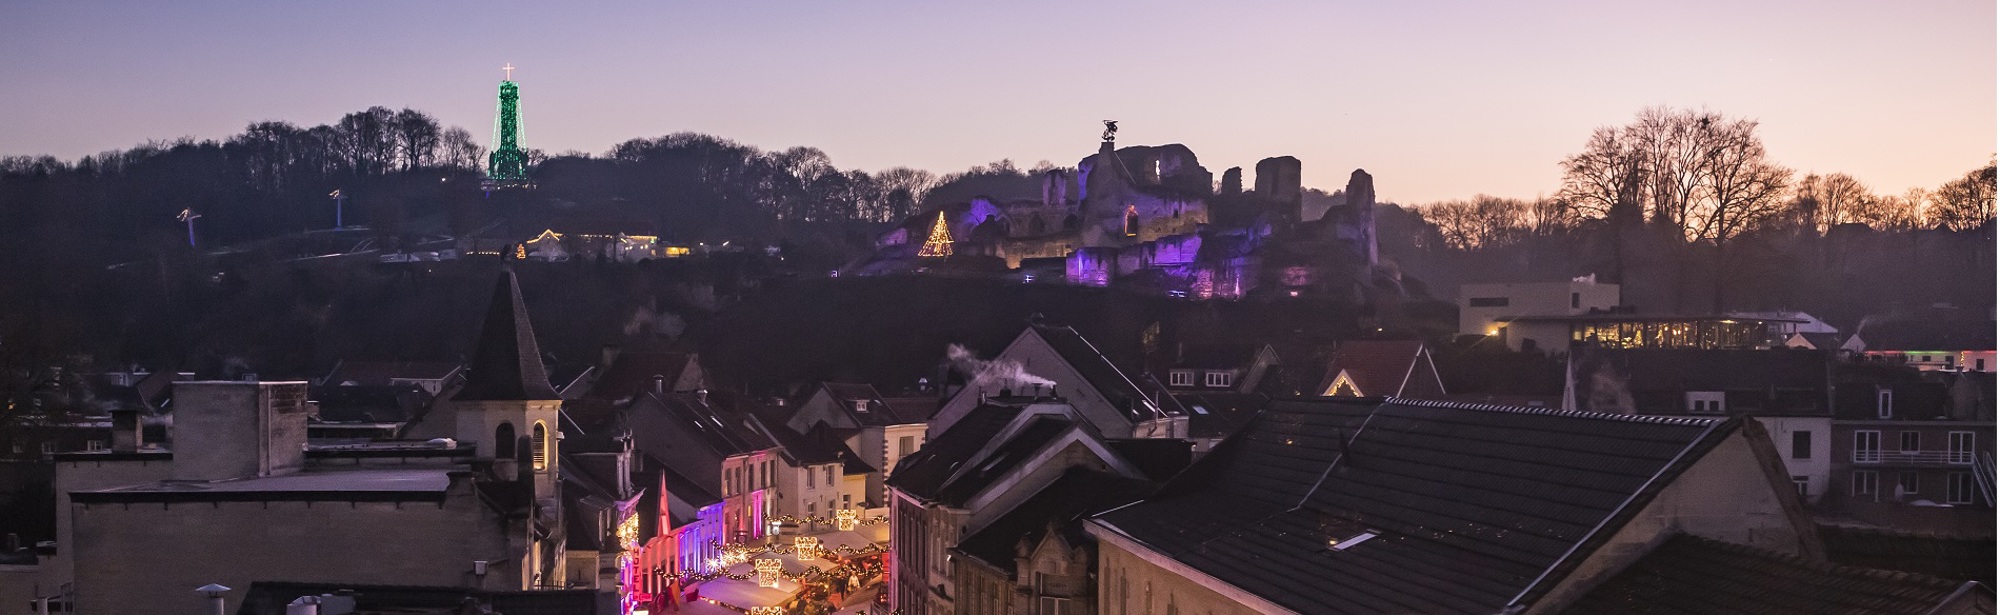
[(1213, 415), (1077, 494), (1960, 558), (913, 409), (923, 473), (369, 404), (1472, 504), (1928, 334), (507, 364), (1780, 381), (1697, 575)]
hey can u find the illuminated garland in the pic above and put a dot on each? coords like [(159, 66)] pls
[(833, 520), (737, 554)]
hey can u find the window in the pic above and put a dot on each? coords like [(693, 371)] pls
[(1867, 446), (93, 445), (1911, 442), (812, 509), (1575, 300), (1885, 402), (1802, 445), (504, 442), (1866, 484), (1488, 301), (541, 446), (1180, 378), (1131, 221), (1800, 483), (1706, 402), (1961, 447), (906, 445), (846, 502), (1054, 606), (1958, 488), (1219, 379), (1979, 365), (1906, 484), (48, 448)]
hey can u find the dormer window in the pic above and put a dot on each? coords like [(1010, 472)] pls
[(861, 405), (1180, 378), (1220, 379), (1705, 402)]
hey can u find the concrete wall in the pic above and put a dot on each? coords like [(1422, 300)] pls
[(1815, 468), (87, 472), (148, 558), (225, 429)]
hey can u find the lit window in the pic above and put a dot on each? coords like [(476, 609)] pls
[(541, 446), (1131, 221), (1180, 378)]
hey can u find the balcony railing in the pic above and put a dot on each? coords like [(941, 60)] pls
[(1914, 458)]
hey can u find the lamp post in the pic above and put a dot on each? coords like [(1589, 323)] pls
[(215, 593), (188, 216), (339, 208)]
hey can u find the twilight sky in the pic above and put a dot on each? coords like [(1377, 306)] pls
[(1437, 99)]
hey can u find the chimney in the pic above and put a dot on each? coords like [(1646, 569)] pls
[(608, 354), (659, 384), (305, 605), (128, 433), (701, 395)]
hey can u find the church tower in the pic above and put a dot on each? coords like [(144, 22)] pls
[(507, 165), (509, 411)]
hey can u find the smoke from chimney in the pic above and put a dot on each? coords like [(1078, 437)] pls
[(1006, 374)]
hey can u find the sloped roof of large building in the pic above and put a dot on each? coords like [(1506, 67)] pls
[(923, 473), (1037, 433), (507, 363), (381, 373), (1935, 334), (270, 598), (1687, 574), (1472, 505), (1063, 505), (1104, 375)]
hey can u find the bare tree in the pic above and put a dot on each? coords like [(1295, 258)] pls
[(458, 149), (1821, 202), (416, 136), (1966, 202), (1609, 171)]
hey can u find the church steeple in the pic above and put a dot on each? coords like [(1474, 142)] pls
[(507, 364)]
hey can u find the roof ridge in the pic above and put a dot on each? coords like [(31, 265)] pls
[(1692, 421)]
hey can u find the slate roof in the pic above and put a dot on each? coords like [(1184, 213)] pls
[(1960, 558), (1077, 494), (632, 372), (507, 364), (913, 409), (1780, 381), (1473, 504), (370, 404), (1212, 415), (1097, 369), (1697, 575), (1928, 334), (923, 473), (1036, 434), (880, 411)]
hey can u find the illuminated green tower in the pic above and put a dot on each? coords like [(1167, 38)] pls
[(508, 164)]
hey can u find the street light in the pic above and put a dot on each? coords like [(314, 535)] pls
[(339, 203)]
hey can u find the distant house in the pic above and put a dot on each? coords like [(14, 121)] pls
[(1116, 403), (1946, 344), (1491, 309), (1345, 505), (881, 430), (1905, 455), (1218, 367), (720, 449), (1037, 558), (431, 376), (1368, 368), (1787, 390)]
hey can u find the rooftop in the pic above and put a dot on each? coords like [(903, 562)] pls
[(1697, 575), (425, 483)]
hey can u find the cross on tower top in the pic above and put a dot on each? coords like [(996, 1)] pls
[(510, 70)]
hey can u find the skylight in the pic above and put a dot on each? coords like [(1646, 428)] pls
[(1342, 544)]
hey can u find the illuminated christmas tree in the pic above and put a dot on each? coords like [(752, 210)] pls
[(507, 166), (940, 242)]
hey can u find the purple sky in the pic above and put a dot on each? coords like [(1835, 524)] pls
[(1437, 99)]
